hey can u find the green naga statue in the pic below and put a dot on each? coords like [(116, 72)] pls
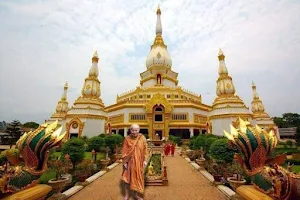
[(256, 146), (34, 150)]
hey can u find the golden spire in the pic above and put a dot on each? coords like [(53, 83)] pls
[(95, 57), (62, 105), (257, 106), (225, 85), (222, 67), (64, 96), (255, 95), (158, 31)]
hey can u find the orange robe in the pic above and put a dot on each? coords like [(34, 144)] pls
[(136, 148)]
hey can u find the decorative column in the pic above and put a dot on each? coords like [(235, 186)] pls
[(191, 132), (125, 131)]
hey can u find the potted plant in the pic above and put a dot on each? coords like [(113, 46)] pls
[(105, 162), (59, 182), (118, 154), (201, 160), (83, 170), (217, 171), (236, 179)]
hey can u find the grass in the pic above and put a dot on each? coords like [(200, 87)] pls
[(296, 168), (87, 155)]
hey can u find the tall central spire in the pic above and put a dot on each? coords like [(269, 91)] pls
[(158, 41), (158, 30)]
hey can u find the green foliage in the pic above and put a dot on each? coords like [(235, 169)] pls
[(221, 151), (200, 142), (208, 143), (46, 176), (111, 142), (287, 120), (31, 125), (176, 140), (75, 148), (290, 143), (192, 142), (95, 143), (14, 129), (119, 139)]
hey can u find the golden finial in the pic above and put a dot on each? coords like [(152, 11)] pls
[(66, 85), (221, 55), (95, 57), (158, 12)]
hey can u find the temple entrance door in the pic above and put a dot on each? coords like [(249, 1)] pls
[(159, 134), (158, 121)]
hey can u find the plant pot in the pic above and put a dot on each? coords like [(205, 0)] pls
[(82, 177), (234, 183), (201, 162), (218, 179), (104, 163), (58, 185)]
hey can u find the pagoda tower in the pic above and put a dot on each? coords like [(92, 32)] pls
[(87, 115), (227, 106), (62, 108), (260, 117)]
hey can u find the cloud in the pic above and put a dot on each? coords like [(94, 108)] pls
[(47, 43)]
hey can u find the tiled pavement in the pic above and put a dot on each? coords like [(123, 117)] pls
[(185, 183)]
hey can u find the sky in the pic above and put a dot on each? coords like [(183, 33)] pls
[(48, 42)]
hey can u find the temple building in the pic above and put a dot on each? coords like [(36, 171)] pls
[(159, 104)]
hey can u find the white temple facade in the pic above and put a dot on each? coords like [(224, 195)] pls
[(159, 104)]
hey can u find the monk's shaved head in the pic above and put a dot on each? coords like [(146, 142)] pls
[(135, 126)]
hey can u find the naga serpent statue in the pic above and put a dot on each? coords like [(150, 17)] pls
[(255, 147), (34, 149)]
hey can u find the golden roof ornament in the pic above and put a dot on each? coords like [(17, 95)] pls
[(221, 55), (95, 57)]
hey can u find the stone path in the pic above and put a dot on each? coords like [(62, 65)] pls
[(185, 183)]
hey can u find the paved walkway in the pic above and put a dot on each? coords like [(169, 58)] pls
[(185, 183)]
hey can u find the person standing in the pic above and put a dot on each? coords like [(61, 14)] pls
[(134, 155), (172, 148)]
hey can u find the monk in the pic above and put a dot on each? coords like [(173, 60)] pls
[(172, 148), (134, 155)]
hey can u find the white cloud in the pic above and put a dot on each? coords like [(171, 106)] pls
[(47, 43)]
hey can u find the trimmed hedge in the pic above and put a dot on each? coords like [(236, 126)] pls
[(221, 151)]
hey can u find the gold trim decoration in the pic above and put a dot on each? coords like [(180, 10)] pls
[(200, 119), (158, 99), (88, 116), (227, 115), (137, 117), (74, 120), (115, 119), (74, 125), (180, 117)]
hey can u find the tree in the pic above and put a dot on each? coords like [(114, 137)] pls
[(287, 120), (292, 119), (14, 129), (31, 125), (95, 143), (75, 148), (297, 136)]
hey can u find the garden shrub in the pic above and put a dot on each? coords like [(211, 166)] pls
[(75, 148), (95, 143), (221, 151)]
